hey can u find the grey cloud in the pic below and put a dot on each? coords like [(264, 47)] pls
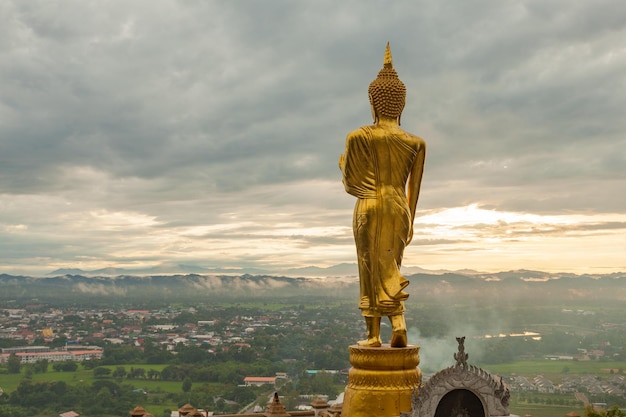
[(182, 111)]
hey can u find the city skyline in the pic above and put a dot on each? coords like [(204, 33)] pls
[(208, 134)]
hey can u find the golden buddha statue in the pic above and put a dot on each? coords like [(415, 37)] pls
[(382, 167)]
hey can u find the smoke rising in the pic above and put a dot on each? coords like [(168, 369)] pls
[(437, 353)]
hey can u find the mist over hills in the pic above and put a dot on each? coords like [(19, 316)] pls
[(343, 269), (177, 269), (509, 287)]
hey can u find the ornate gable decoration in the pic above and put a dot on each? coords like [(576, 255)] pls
[(490, 389)]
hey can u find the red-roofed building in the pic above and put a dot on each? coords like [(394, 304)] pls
[(257, 381), (54, 356), (81, 355)]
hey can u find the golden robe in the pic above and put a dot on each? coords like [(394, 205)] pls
[(377, 164)]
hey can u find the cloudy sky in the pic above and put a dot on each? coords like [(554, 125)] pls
[(136, 134)]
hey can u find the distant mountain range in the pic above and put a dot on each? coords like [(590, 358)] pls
[(511, 287), (343, 269), (175, 269)]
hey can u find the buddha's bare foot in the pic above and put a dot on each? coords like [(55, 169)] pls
[(398, 331), (373, 342), (398, 339), (373, 333)]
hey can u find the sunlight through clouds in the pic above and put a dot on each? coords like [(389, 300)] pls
[(131, 138), (514, 240)]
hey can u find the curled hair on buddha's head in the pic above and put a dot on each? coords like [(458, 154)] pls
[(387, 93)]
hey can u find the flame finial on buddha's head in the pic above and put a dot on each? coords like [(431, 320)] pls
[(387, 93)]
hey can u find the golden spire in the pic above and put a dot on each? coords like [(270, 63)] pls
[(388, 62)]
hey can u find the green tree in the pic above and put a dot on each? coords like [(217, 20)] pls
[(91, 364), (192, 354), (321, 383), (58, 342), (101, 372), (14, 364), (137, 373), (187, 384), (498, 350), (104, 397), (41, 366), (153, 374), (119, 373), (611, 412), (108, 384), (65, 366), (154, 354), (117, 355), (242, 395)]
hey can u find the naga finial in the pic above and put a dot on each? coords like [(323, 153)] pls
[(461, 356)]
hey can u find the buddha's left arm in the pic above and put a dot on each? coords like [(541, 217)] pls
[(414, 184)]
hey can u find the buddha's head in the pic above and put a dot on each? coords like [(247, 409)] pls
[(387, 93)]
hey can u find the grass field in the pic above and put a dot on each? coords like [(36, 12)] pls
[(9, 382), (157, 410), (540, 410), (556, 370)]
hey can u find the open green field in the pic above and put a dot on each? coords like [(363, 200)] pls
[(556, 370), (540, 410), (157, 410), (545, 405), (9, 382)]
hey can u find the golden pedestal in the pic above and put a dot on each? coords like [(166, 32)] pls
[(381, 381)]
